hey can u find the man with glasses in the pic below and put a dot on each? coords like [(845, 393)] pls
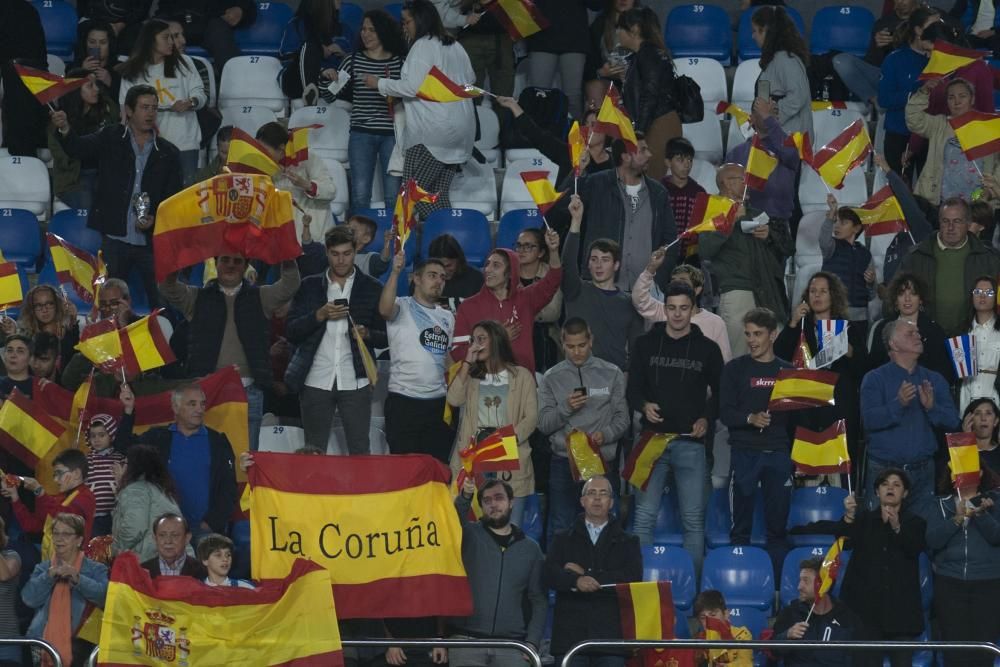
[(949, 263)]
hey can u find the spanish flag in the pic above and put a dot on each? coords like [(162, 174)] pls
[(978, 133), (947, 58), (798, 389), (367, 360), (644, 455), (822, 453), (739, 115), (541, 190), (25, 432), (437, 87), (45, 86), (577, 142), (249, 156), (494, 453), (235, 214), (830, 568), (145, 346), (11, 293), (760, 165), (826, 105), (845, 152), (449, 412), (403, 220), (646, 609), (803, 355), (297, 148), (79, 268), (963, 456), (614, 122), (802, 144), (180, 620), (712, 213), (882, 214), (585, 459), (717, 629), (520, 18), (101, 344)]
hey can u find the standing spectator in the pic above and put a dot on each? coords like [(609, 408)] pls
[(783, 61), (209, 118), (102, 460), (485, 39), (373, 263), (533, 260), (419, 332), (211, 24), (648, 90), (683, 189), (132, 154), (317, 23), (180, 91), (901, 404), (10, 572), (983, 324), (916, 213), (861, 76), (594, 553), (438, 138), (606, 59), (146, 491), (561, 47), (327, 369), (461, 280), (567, 402), (981, 417), (96, 53), (22, 41), (173, 536), (50, 311), (847, 258), (504, 300), (495, 391)]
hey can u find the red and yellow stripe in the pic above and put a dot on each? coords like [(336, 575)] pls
[(712, 213), (77, 267), (542, 192), (963, 457), (520, 18), (614, 122), (821, 453), (297, 148), (978, 133), (947, 58), (45, 86), (646, 609), (845, 152), (644, 455), (144, 345), (739, 115), (760, 165), (249, 156), (796, 389), (437, 87), (25, 432), (882, 214), (11, 293)]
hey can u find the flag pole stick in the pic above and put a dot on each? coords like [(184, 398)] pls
[(811, 610), (674, 242), (575, 179), (978, 170), (850, 492), (910, 234), (547, 225)]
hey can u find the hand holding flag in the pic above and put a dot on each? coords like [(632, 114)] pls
[(844, 152), (437, 87), (947, 58), (614, 122)]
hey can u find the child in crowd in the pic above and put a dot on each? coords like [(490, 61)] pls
[(682, 188), (16, 356), (216, 553), (365, 229), (848, 258), (44, 362), (983, 221), (101, 463), (710, 609)]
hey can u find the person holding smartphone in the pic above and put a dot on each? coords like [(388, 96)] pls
[(783, 58), (95, 53)]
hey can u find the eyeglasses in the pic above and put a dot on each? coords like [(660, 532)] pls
[(598, 493), (525, 246), (108, 305), (43, 305), (984, 292)]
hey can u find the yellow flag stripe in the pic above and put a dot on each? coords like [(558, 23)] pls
[(10, 290), (644, 463), (964, 459), (830, 453), (799, 388), (646, 602), (834, 170)]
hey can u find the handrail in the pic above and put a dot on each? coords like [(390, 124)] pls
[(779, 644), (524, 647), (37, 643)]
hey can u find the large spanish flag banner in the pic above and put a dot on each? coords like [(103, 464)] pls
[(520, 18), (646, 609), (541, 190), (145, 346), (644, 454), (585, 459), (796, 389), (947, 58), (882, 214), (384, 526), (830, 568), (242, 214), (75, 266), (963, 459), (437, 87), (822, 453), (712, 213), (45, 86), (27, 433), (249, 156), (614, 122), (11, 292), (844, 152), (978, 133), (760, 165), (179, 620)]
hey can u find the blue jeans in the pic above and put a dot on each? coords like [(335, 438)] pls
[(921, 480), (772, 470), (859, 76), (363, 150), (255, 414), (687, 458)]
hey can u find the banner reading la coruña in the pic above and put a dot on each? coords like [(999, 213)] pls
[(384, 526), (181, 621)]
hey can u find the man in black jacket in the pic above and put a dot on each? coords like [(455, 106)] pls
[(136, 170)]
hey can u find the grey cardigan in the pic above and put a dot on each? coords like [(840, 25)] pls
[(790, 86)]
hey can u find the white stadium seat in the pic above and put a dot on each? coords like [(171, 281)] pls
[(711, 78), (252, 81), (704, 174), (744, 81), (329, 141), (489, 131), (475, 187), (706, 137), (828, 123), (24, 183), (514, 194)]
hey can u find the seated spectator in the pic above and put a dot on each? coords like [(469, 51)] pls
[(173, 536), (984, 325), (461, 280), (682, 189), (712, 604), (16, 355), (533, 258), (45, 361), (211, 25), (102, 462), (316, 23), (981, 21), (60, 588), (216, 553), (96, 53), (783, 58), (124, 18), (365, 229), (10, 575), (983, 223), (47, 309), (982, 417), (848, 259), (145, 491), (216, 164), (862, 76)]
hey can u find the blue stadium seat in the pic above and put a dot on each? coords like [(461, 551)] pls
[(395, 10), (470, 227), (746, 48), (20, 237), (719, 520), (815, 503), (382, 218), (841, 28), (673, 564), (513, 222), (699, 31), (59, 23), (789, 590), (744, 576), (531, 522), (263, 38), (71, 226), (681, 628), (351, 16), (750, 618)]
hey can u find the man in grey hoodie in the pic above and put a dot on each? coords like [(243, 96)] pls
[(504, 567)]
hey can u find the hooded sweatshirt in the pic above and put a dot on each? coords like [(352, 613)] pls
[(521, 305), (676, 374)]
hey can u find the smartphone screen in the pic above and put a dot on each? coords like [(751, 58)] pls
[(94, 52), (340, 302)]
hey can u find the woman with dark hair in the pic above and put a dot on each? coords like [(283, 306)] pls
[(89, 108), (984, 326), (155, 61), (495, 392), (438, 138), (783, 61), (145, 491), (981, 417), (649, 84), (95, 53), (317, 23), (606, 59), (461, 280)]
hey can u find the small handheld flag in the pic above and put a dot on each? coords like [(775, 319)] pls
[(712, 213), (882, 214), (614, 122), (11, 292), (437, 87), (822, 453), (826, 105), (297, 148), (646, 609), (403, 216), (760, 165), (963, 459), (494, 453), (800, 389), (947, 58), (643, 456), (45, 86), (845, 152), (978, 133), (541, 190), (249, 156), (585, 459), (830, 570), (827, 329), (962, 350), (520, 18), (739, 115)]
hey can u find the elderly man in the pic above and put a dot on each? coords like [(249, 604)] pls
[(172, 537), (901, 404)]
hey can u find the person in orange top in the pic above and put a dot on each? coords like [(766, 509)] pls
[(712, 604)]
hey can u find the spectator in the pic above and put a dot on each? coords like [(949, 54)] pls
[(438, 138), (561, 47), (981, 21), (211, 25), (216, 164), (606, 59), (327, 369), (96, 53), (984, 326), (568, 402), (60, 588), (982, 417), (848, 259), (419, 332), (948, 260), (504, 300), (146, 491), (783, 61), (180, 91), (485, 39), (132, 153), (829, 620), (683, 189), (209, 118), (16, 355), (505, 572), (749, 263), (495, 391), (365, 229), (45, 361), (983, 223), (712, 604), (862, 76), (124, 18), (594, 553), (916, 213), (901, 404), (461, 280), (89, 109), (317, 23), (51, 312), (172, 536), (102, 460), (10, 573), (216, 553), (648, 89), (533, 258), (23, 42), (598, 301), (759, 440)]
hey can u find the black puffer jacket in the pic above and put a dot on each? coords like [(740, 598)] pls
[(649, 86)]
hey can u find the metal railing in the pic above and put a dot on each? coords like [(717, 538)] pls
[(35, 643)]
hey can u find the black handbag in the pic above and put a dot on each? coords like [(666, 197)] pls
[(687, 101)]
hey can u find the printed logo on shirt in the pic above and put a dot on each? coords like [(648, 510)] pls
[(761, 383), (598, 391), (673, 362), (434, 340)]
